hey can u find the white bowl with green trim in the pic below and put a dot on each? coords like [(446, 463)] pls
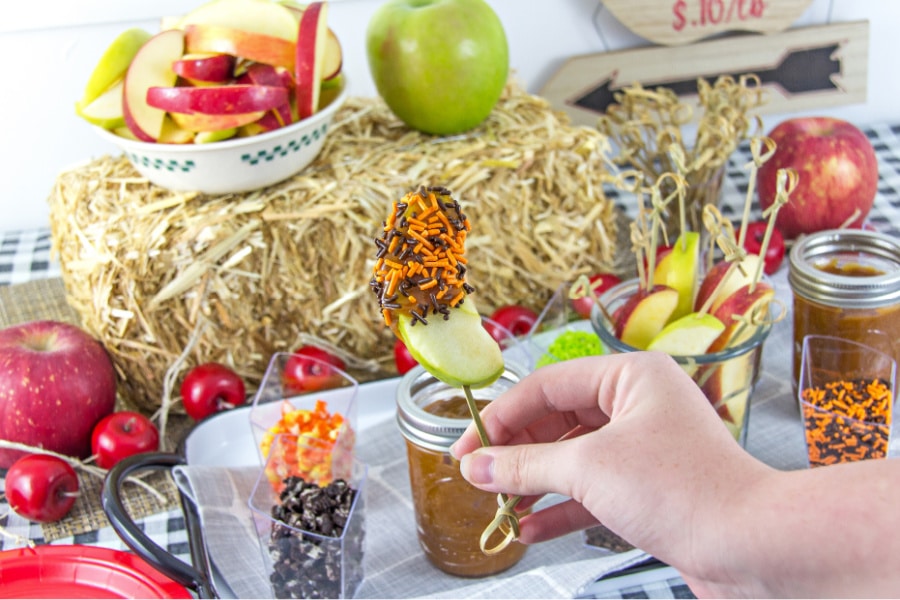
[(235, 165)]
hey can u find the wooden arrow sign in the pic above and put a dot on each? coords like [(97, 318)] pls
[(802, 69)]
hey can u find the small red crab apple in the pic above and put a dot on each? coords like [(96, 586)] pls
[(310, 369), (774, 253), (121, 435), (41, 487), (599, 284), (209, 388)]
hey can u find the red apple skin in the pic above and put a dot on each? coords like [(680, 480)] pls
[(122, 434), (838, 173), (41, 488), (311, 369), (218, 99), (56, 382), (214, 68)]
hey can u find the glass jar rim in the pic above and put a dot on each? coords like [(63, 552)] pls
[(834, 289)]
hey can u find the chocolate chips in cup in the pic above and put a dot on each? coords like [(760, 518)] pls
[(311, 533)]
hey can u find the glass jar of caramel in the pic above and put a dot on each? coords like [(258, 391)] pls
[(846, 283), (451, 514)]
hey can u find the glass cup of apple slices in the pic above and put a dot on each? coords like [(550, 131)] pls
[(723, 359)]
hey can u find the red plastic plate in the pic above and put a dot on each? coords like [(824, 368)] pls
[(76, 571)]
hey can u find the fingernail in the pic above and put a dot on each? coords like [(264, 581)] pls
[(453, 451), (477, 467)]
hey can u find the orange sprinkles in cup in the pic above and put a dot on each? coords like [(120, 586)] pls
[(847, 420)]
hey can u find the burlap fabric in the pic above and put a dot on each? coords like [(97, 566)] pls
[(46, 299)]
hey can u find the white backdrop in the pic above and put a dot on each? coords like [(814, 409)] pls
[(50, 48)]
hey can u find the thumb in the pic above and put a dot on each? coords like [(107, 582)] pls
[(524, 470)]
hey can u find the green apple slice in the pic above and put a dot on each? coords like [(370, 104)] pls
[(459, 351), (106, 109), (691, 335), (113, 63), (678, 270)]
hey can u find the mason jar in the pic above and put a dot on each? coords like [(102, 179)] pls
[(450, 513), (846, 284)]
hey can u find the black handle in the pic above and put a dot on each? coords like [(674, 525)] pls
[(187, 575)]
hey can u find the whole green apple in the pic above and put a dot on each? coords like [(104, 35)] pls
[(440, 65)]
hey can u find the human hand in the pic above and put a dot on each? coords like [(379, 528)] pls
[(648, 456)]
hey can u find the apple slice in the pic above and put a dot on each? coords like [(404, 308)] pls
[(723, 279), (740, 307), (334, 57), (458, 351), (261, 74), (151, 67), (677, 269), (218, 99), (200, 122), (690, 335), (113, 64), (205, 67), (207, 137), (644, 315), (173, 134), (312, 34), (106, 109), (257, 47), (254, 16)]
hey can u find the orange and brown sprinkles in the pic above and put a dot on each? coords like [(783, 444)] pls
[(847, 420), (420, 265)]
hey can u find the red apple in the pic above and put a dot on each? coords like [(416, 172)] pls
[(256, 47), (753, 239), (518, 320), (56, 382), (205, 67), (838, 174), (403, 359), (312, 34), (151, 66), (310, 369), (599, 284), (217, 99), (724, 279), (122, 434), (41, 487), (209, 388)]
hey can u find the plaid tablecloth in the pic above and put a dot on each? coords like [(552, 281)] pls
[(25, 256)]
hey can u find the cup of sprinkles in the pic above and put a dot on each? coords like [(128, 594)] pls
[(846, 397)]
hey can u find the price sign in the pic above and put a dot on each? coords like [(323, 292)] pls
[(801, 69), (674, 22)]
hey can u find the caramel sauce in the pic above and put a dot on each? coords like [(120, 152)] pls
[(451, 514), (848, 269)]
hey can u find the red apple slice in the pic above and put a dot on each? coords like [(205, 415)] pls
[(206, 67), (200, 122), (248, 45), (217, 100), (644, 315), (742, 306), (723, 279), (260, 74), (312, 34), (151, 67)]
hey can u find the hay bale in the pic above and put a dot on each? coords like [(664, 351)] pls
[(234, 278)]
